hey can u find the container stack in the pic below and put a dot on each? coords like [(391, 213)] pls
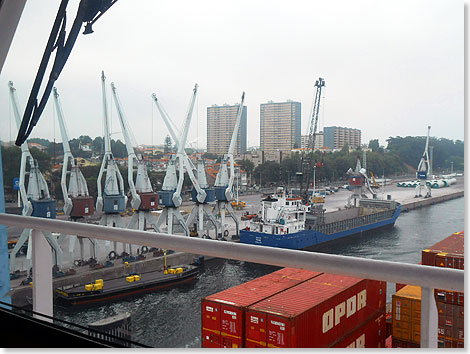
[(406, 317), (293, 308), (223, 313), (448, 253), (406, 303), (326, 311)]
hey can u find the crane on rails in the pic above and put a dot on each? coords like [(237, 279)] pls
[(144, 199), (312, 135), (224, 183), (202, 208), (111, 199), (359, 183), (170, 194), (77, 201), (424, 168), (36, 199)]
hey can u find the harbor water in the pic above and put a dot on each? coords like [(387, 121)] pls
[(172, 318)]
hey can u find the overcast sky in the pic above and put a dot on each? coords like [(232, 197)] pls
[(391, 67)]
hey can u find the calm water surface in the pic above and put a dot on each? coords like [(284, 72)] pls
[(172, 318)]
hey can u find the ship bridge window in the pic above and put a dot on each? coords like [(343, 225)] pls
[(287, 203)]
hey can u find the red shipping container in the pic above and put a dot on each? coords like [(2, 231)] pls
[(450, 322), (315, 313), (448, 253), (223, 313), (371, 335)]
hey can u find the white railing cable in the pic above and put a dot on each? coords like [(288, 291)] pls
[(424, 276)]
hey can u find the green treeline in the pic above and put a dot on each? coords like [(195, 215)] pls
[(401, 156)]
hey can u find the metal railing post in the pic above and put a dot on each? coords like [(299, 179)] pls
[(428, 319), (42, 274)]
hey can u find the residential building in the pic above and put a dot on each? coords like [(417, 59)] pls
[(280, 127), (220, 124), (337, 137), (318, 141)]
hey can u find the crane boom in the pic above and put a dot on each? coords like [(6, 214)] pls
[(222, 179), (424, 162), (77, 185), (315, 112)]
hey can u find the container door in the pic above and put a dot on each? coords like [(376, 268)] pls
[(231, 326), (278, 332), (211, 325), (255, 327)]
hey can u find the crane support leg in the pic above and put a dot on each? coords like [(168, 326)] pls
[(21, 241), (168, 214), (210, 216), (112, 220), (234, 217), (55, 247)]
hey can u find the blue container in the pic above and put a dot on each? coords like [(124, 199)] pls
[(165, 198), (220, 193), (113, 204), (210, 195), (421, 175), (44, 208)]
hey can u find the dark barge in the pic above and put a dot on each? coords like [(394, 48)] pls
[(127, 285)]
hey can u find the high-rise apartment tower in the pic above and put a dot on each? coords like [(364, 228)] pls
[(279, 127), (220, 124), (337, 137)]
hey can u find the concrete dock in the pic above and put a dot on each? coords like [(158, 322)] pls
[(85, 274)]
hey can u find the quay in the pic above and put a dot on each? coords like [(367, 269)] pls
[(84, 274)]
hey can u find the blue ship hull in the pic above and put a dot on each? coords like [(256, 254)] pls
[(308, 238)]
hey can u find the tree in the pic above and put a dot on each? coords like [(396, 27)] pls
[(374, 145), (247, 165), (267, 172), (168, 145)]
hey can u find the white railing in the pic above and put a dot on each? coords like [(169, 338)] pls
[(426, 277)]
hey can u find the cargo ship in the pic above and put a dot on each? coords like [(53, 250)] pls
[(128, 285), (286, 223)]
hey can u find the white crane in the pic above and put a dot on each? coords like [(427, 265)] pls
[(224, 183), (111, 199), (36, 199), (358, 183), (144, 199), (77, 201), (424, 168), (170, 195), (200, 183)]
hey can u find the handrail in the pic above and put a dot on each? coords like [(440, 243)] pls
[(424, 276)]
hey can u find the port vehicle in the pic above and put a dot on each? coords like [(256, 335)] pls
[(127, 285)]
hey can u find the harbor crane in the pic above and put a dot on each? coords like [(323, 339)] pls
[(312, 134), (111, 199), (358, 183), (424, 168), (202, 207), (36, 199), (77, 201), (224, 183), (170, 195), (144, 199)]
